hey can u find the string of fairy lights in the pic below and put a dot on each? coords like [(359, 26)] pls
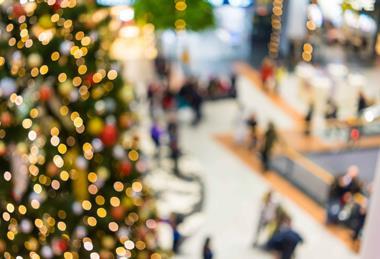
[(71, 126), (180, 23), (307, 49), (274, 43)]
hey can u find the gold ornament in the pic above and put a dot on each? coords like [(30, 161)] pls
[(80, 184), (95, 126), (127, 202), (65, 88), (45, 22), (34, 60), (126, 94), (108, 242)]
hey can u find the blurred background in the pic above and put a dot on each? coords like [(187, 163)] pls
[(189, 129)]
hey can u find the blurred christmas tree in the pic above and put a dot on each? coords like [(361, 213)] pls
[(71, 166), (192, 15)]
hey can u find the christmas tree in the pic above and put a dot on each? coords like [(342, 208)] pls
[(70, 164)]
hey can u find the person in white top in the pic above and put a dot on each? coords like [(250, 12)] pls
[(267, 214)]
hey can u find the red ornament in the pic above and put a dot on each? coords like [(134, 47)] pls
[(52, 169), (57, 5), (62, 245), (45, 93), (118, 213), (125, 168), (59, 246), (6, 119), (89, 79), (109, 135), (18, 10)]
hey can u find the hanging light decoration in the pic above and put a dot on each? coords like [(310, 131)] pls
[(274, 44), (180, 6), (312, 23)]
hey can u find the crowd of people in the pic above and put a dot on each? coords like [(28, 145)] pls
[(164, 104), (348, 198), (272, 73), (347, 206), (348, 201), (275, 223)]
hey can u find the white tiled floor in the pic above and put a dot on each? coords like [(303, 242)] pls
[(233, 195)]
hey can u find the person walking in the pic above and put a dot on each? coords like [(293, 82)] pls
[(267, 214), (177, 237), (207, 251), (156, 134), (362, 103), (267, 74), (252, 125), (285, 241), (331, 116), (154, 97), (308, 119), (270, 139), (331, 112), (190, 91), (175, 151)]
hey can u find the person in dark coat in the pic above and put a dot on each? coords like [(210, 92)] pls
[(154, 98), (197, 101), (331, 116), (191, 94), (358, 216), (334, 204), (207, 252), (162, 66), (332, 110), (342, 185), (308, 119), (285, 241), (362, 103), (252, 125), (175, 151), (175, 154), (270, 139), (177, 237), (351, 180)]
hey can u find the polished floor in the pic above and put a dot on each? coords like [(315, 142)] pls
[(232, 198), (231, 192)]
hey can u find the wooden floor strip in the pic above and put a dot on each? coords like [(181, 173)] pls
[(285, 188)]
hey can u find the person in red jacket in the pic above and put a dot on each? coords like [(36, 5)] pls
[(267, 72)]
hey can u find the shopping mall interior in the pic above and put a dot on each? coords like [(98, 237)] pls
[(155, 129)]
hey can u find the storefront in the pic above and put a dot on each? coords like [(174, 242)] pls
[(346, 31)]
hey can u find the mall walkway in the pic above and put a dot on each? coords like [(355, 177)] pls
[(233, 196), (233, 192)]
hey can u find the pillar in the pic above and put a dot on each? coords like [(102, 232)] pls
[(371, 235)]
